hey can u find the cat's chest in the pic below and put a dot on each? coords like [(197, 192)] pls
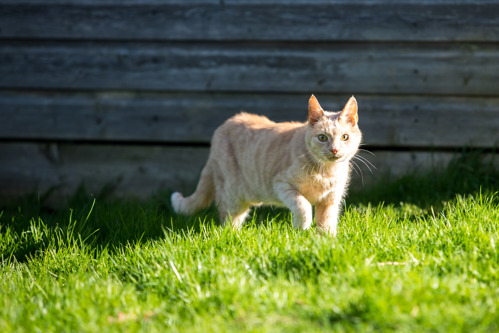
[(316, 187)]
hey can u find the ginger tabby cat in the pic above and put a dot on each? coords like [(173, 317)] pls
[(256, 161)]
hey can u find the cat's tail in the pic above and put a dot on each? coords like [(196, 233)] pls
[(201, 198)]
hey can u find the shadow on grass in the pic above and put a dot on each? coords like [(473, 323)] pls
[(28, 227)]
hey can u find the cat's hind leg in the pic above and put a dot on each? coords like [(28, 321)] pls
[(235, 214)]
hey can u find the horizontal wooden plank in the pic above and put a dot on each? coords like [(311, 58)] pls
[(464, 69), (386, 121), (131, 171), (117, 2), (138, 171), (240, 2), (330, 2), (245, 20)]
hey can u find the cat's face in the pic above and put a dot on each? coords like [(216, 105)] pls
[(333, 136)]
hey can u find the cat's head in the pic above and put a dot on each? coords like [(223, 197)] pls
[(333, 136)]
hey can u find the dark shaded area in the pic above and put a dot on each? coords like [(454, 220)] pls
[(469, 172)]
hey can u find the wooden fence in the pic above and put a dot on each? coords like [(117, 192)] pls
[(128, 93)]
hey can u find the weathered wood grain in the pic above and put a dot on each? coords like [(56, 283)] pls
[(457, 69), (140, 171), (247, 21), (119, 2), (386, 121), (241, 2), (112, 86), (387, 3), (131, 171)]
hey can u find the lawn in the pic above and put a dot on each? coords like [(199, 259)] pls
[(419, 253)]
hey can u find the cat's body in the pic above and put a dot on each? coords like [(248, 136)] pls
[(256, 161)]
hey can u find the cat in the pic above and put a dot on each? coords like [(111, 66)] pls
[(255, 161)]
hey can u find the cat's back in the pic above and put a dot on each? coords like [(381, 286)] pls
[(250, 121), (253, 122)]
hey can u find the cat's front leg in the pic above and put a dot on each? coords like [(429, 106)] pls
[(326, 216), (299, 206)]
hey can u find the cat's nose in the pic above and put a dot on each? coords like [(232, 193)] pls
[(333, 150)]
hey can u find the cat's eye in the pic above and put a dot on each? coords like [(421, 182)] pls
[(344, 137), (322, 138)]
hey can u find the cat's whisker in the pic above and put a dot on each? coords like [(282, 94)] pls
[(358, 172), (310, 163), (364, 162), (367, 163), (367, 166), (308, 160), (355, 167), (367, 151)]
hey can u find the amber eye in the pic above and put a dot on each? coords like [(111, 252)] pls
[(344, 137), (322, 138)]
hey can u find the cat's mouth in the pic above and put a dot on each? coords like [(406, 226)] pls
[(333, 157)]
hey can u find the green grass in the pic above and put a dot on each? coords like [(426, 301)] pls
[(416, 254)]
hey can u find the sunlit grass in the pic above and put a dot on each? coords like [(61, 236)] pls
[(405, 259)]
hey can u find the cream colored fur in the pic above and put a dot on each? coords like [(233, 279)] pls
[(256, 161)]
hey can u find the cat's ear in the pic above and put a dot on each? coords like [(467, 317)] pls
[(315, 111), (349, 112)]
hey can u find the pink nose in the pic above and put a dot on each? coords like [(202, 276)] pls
[(334, 150)]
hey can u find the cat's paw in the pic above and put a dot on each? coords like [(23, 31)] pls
[(327, 231), (176, 199)]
